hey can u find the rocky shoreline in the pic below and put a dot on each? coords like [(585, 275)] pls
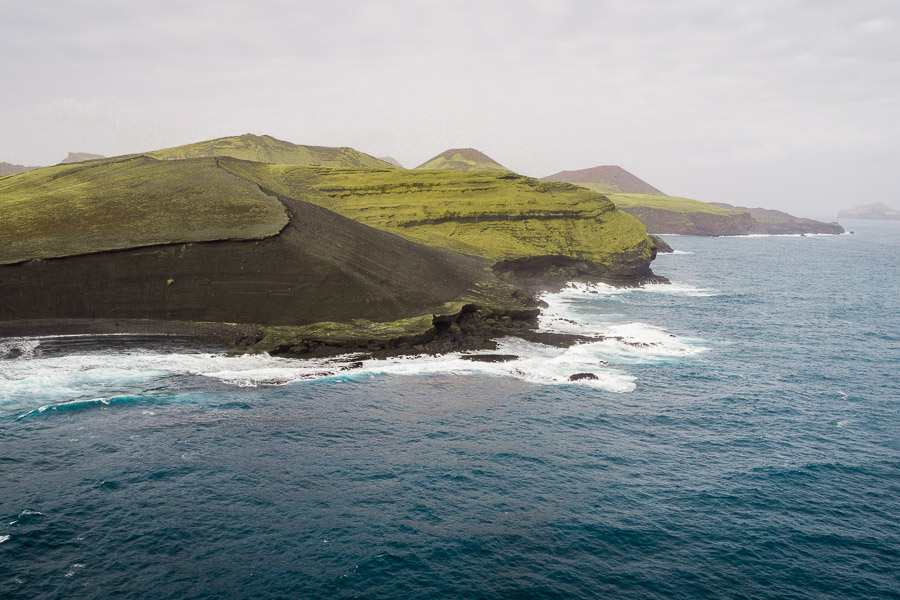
[(463, 326)]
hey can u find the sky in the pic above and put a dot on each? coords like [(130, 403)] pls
[(788, 104)]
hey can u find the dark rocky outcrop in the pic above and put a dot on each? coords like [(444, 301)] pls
[(661, 245), (581, 376)]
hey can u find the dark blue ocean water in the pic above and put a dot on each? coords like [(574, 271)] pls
[(741, 441)]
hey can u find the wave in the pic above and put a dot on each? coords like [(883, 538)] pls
[(580, 293), (11, 348), (571, 311), (68, 383), (781, 235), (34, 384), (534, 363), (85, 404)]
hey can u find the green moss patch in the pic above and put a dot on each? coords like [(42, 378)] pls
[(126, 203)]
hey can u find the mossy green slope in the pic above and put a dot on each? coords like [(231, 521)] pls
[(463, 159), (499, 216), (126, 203), (266, 149)]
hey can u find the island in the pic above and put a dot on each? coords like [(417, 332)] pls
[(879, 211), (295, 250)]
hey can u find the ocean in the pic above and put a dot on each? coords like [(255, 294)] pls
[(739, 438)]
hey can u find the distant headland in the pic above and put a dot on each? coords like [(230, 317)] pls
[(668, 214)]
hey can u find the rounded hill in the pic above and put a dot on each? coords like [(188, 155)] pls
[(266, 149), (606, 179), (463, 159)]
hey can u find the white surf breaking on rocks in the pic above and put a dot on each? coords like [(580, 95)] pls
[(32, 383)]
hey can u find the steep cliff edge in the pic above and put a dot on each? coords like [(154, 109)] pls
[(511, 220)]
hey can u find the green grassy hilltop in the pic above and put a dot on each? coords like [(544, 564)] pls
[(130, 202), (463, 159), (266, 149), (494, 215)]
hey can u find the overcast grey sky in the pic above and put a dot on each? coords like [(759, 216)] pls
[(777, 103)]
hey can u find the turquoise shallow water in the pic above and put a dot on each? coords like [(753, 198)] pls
[(742, 440)]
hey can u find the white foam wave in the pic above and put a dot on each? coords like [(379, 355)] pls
[(680, 252), (536, 363), (3, 538), (571, 311), (36, 385), (80, 374), (580, 292), (31, 382), (780, 235), (18, 347)]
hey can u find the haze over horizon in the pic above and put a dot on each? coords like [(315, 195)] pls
[(789, 105)]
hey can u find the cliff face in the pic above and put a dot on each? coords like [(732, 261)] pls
[(776, 222), (698, 223)]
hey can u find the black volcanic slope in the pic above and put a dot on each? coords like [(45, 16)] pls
[(321, 266)]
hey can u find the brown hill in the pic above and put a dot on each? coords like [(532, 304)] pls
[(606, 179)]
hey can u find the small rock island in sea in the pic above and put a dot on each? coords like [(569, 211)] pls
[(295, 250), (878, 211)]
